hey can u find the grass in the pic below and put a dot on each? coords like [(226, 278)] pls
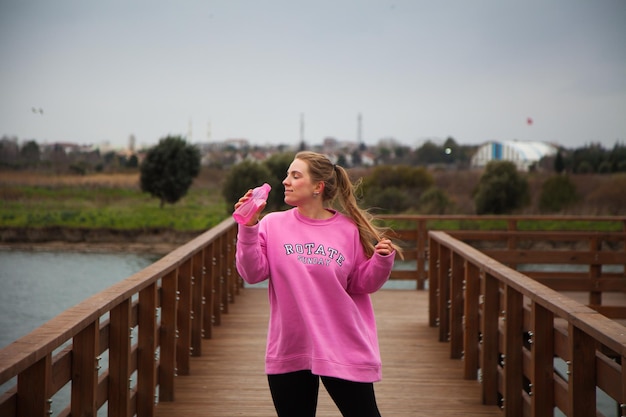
[(112, 202), (30, 199), (502, 224), (529, 225)]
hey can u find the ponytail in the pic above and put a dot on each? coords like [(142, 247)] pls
[(369, 232)]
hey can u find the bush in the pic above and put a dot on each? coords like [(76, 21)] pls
[(278, 164), (434, 201), (241, 178), (400, 176), (501, 189), (396, 188), (387, 200), (557, 193)]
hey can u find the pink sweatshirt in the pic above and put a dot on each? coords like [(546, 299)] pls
[(321, 315)]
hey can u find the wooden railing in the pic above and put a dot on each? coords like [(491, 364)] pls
[(566, 261), (147, 326), (125, 345), (525, 240), (512, 333)]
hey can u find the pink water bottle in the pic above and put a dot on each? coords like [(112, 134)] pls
[(244, 213)]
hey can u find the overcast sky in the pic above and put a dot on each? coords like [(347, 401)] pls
[(473, 70)]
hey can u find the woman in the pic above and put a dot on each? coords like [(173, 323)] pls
[(322, 265)]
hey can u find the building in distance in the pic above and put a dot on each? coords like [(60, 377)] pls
[(524, 154)]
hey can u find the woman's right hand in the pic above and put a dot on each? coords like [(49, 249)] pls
[(255, 217)]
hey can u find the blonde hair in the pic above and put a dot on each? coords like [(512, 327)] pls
[(338, 188)]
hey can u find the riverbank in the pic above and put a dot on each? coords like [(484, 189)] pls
[(85, 240), (138, 248)]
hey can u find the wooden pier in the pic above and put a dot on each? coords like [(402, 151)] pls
[(419, 378)]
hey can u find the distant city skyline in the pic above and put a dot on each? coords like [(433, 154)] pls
[(95, 72)]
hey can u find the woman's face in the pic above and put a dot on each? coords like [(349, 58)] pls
[(299, 188)]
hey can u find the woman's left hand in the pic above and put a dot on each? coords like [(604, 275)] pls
[(384, 247)]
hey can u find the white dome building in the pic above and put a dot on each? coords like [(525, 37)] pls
[(522, 153)]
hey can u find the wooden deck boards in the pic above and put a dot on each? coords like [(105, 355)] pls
[(419, 379)]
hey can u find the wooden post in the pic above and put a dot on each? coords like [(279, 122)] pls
[(513, 360), (146, 349), (33, 388), (224, 267), (119, 359), (456, 306), (85, 370), (183, 318), (542, 358), (433, 282), (489, 325), (582, 379), (512, 240), (622, 403), (624, 269), (168, 335), (443, 277), (595, 272), (208, 290), (218, 284), (197, 301), (471, 328), (422, 239)]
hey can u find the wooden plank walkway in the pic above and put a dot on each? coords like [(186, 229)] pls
[(419, 379)]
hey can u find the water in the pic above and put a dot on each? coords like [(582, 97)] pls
[(37, 286)]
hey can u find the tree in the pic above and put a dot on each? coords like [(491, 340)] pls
[(429, 153), (30, 153), (356, 158), (341, 160), (133, 161), (169, 169), (617, 157), (501, 189), (451, 150), (559, 163), (557, 193), (587, 159)]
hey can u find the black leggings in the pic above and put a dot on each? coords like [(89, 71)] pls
[(295, 395)]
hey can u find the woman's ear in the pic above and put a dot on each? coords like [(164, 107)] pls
[(319, 188)]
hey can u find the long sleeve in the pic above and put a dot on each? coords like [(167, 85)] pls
[(250, 257), (371, 274)]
